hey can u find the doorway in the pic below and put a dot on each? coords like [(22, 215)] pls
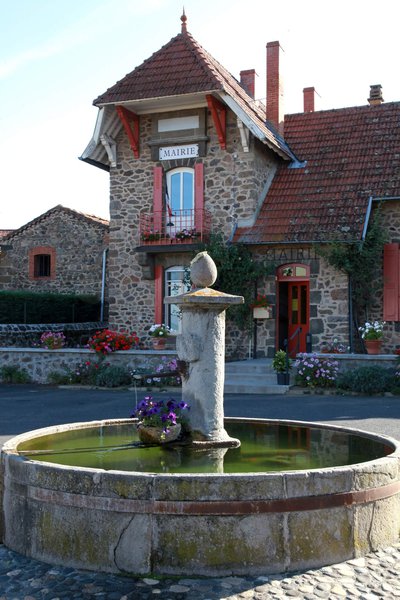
[(293, 301)]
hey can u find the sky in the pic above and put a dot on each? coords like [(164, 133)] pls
[(56, 56)]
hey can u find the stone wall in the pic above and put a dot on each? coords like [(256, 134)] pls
[(233, 182), (77, 242), (38, 363)]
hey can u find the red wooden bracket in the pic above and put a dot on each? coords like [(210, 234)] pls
[(130, 121), (218, 111)]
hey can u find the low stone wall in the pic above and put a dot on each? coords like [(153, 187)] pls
[(353, 361), (38, 362), (22, 336)]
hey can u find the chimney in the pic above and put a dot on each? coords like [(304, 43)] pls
[(275, 112), (309, 99), (247, 81), (375, 95)]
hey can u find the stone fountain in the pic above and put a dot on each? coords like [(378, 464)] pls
[(135, 520), (201, 348)]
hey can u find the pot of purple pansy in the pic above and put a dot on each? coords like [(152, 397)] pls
[(160, 421)]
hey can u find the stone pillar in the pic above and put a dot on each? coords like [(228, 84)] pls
[(201, 346)]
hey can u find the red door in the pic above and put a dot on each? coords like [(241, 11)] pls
[(298, 316)]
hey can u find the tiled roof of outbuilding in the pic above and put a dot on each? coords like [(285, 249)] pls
[(350, 155), (183, 66)]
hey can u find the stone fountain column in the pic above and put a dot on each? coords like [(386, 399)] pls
[(201, 345)]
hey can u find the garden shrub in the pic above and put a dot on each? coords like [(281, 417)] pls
[(314, 371), (369, 380), (13, 374), (112, 376), (34, 307)]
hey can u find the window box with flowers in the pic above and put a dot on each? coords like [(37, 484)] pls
[(260, 307), (372, 334), (151, 235), (187, 234)]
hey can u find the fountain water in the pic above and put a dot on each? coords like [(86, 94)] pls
[(104, 516)]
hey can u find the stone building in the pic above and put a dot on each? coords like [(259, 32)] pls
[(190, 151), (60, 251)]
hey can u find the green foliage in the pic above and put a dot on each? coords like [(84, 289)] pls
[(238, 273), (279, 362), (360, 261), (13, 374), (313, 371), (96, 373), (33, 307), (368, 380)]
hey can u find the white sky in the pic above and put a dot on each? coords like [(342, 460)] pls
[(56, 56)]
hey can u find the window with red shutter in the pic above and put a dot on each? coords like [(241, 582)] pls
[(391, 282)]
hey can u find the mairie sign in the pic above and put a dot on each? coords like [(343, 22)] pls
[(174, 152)]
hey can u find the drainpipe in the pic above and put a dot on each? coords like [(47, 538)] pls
[(103, 283)]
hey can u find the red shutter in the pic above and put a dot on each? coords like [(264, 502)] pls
[(391, 282), (157, 197), (158, 293), (199, 197)]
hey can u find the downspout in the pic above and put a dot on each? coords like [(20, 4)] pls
[(103, 283), (350, 283)]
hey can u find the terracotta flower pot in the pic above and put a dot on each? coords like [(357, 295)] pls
[(373, 346), (159, 343), (156, 435)]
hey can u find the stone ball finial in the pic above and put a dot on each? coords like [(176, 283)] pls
[(203, 271)]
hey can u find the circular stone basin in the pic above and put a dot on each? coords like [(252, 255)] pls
[(293, 496)]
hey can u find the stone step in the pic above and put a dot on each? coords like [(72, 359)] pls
[(252, 377)]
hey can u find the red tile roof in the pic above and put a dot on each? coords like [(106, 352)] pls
[(351, 154), (183, 66)]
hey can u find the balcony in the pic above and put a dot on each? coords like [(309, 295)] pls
[(182, 227)]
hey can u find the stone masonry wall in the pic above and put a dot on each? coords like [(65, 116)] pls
[(38, 363), (78, 246), (233, 181)]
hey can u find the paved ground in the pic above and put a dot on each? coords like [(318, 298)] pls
[(23, 408)]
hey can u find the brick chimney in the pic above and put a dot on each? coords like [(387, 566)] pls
[(375, 95), (275, 112), (247, 81), (309, 99)]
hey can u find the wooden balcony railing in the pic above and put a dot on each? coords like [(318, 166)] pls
[(181, 227)]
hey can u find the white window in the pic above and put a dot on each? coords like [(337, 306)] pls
[(180, 201), (175, 284)]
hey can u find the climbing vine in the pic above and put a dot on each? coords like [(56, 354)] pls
[(238, 273), (361, 261)]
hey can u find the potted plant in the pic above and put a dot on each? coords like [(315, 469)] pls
[(260, 307), (160, 421), (282, 364), (372, 334), (159, 333)]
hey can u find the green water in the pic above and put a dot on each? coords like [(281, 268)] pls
[(265, 447)]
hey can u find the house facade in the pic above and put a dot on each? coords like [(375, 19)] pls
[(190, 152), (60, 251)]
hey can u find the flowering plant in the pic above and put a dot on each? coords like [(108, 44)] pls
[(260, 302), (334, 347), (159, 330), (186, 234), (313, 371), (372, 331), (161, 413), (52, 340), (106, 341), (151, 235)]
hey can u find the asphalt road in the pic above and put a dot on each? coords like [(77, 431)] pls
[(27, 407)]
